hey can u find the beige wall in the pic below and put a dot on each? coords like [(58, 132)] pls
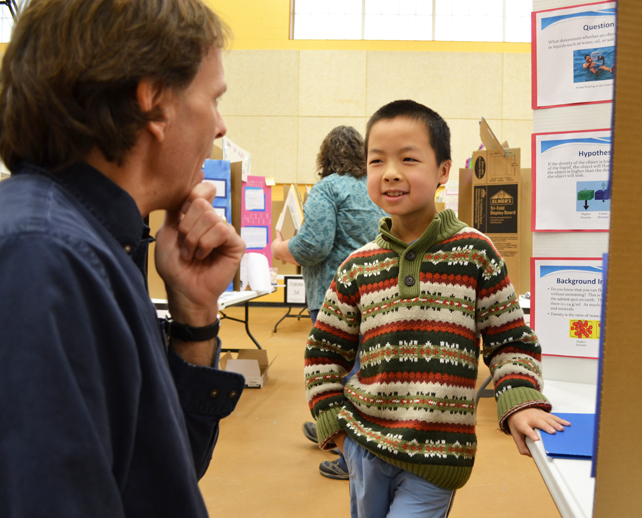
[(281, 103)]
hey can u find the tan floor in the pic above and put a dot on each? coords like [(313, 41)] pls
[(263, 465)]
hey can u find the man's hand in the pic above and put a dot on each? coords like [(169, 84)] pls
[(197, 255), (522, 424)]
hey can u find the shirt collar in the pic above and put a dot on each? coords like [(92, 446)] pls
[(444, 225), (111, 205)]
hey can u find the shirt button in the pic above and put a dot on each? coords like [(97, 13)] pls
[(128, 249), (233, 394), (214, 393), (411, 256), (410, 280)]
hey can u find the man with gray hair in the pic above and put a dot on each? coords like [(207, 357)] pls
[(108, 109)]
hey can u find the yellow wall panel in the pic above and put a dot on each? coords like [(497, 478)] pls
[(332, 83), (312, 131), (457, 85), (261, 82), (517, 86), (271, 141)]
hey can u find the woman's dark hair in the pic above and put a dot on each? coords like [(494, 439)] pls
[(72, 68), (342, 152)]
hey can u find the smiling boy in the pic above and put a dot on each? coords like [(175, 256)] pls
[(424, 295)]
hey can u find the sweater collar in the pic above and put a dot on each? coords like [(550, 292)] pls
[(444, 225)]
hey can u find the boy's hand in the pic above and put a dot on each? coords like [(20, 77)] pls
[(522, 424), (338, 440)]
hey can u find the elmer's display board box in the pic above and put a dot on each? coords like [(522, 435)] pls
[(500, 207), (251, 363)]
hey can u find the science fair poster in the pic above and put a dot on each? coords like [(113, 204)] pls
[(573, 55), (566, 305), (571, 181)]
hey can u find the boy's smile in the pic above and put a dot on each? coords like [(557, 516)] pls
[(403, 174)]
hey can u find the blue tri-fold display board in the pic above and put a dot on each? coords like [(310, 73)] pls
[(219, 173)]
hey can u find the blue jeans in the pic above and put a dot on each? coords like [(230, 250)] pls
[(380, 490)]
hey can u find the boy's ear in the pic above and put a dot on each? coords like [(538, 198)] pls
[(153, 99), (444, 172)]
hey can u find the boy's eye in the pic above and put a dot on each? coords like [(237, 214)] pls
[(409, 159), (375, 161)]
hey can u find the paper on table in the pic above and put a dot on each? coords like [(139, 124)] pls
[(258, 272), (576, 441)]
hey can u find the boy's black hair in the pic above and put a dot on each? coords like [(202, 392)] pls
[(438, 130)]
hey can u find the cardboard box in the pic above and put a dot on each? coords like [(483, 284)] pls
[(251, 363), (465, 201), (498, 204)]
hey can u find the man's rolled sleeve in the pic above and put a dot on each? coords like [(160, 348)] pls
[(207, 395)]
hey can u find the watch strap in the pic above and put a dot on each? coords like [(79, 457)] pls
[(187, 333)]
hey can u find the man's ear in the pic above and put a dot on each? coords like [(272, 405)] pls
[(153, 98)]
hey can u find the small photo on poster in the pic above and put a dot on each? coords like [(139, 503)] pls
[(593, 64)]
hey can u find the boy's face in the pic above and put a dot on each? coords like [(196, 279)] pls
[(403, 174)]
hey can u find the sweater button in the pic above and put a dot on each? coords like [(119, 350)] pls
[(233, 394), (128, 249), (411, 256), (214, 393), (410, 280)]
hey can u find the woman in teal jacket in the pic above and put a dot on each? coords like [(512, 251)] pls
[(339, 218)]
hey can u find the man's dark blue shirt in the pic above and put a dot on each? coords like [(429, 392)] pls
[(97, 418)]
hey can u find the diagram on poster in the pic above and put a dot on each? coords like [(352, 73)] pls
[(566, 304), (573, 55), (571, 187)]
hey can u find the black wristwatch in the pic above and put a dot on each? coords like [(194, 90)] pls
[(187, 333)]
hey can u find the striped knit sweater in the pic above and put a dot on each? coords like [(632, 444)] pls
[(421, 310)]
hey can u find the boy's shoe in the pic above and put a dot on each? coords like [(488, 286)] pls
[(335, 469), (310, 431)]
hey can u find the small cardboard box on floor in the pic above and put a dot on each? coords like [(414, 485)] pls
[(499, 204), (251, 363)]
